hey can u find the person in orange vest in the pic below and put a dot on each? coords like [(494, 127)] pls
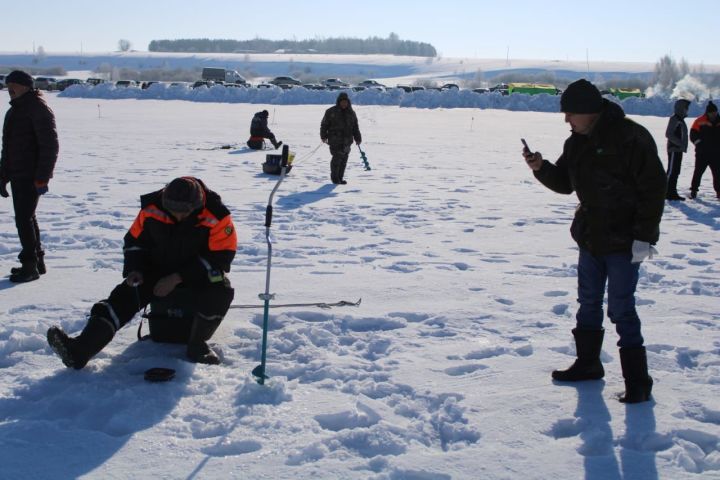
[(183, 237), (705, 135)]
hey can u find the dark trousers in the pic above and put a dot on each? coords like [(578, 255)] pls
[(673, 172), (25, 201), (702, 162), (339, 162), (621, 277), (125, 301)]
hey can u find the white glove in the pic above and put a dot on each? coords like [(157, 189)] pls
[(642, 250)]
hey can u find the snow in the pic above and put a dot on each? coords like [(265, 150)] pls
[(452, 98), (466, 272)]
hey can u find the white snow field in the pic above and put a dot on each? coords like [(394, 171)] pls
[(467, 275)]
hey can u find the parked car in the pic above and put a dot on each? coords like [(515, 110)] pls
[(45, 83), (94, 81), (279, 81), (66, 82), (335, 83), (371, 84), (203, 83), (450, 86), (405, 88), (146, 85), (126, 84), (500, 87)]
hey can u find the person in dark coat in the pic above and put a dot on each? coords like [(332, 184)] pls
[(259, 131), (338, 128), (705, 135), (183, 238), (29, 152), (612, 164), (677, 144)]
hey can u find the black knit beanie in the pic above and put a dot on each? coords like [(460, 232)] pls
[(19, 77), (711, 107), (183, 195), (581, 97)]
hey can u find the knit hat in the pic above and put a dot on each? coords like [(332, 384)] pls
[(184, 194), (343, 96), (711, 107), (581, 97), (20, 77)]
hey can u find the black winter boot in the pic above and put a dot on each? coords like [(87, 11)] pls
[(27, 273), (276, 144), (40, 267), (638, 384), (198, 351), (587, 366), (76, 352)]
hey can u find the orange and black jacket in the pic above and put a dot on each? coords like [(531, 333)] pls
[(200, 248), (706, 136)]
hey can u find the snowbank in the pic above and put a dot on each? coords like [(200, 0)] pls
[(654, 106)]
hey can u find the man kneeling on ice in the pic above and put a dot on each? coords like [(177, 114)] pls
[(182, 241)]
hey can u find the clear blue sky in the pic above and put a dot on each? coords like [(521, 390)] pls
[(629, 30)]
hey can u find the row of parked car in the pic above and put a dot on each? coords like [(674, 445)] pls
[(285, 82)]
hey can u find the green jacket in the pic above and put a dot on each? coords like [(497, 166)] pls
[(340, 127), (618, 178)]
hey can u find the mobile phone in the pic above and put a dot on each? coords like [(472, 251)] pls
[(526, 145)]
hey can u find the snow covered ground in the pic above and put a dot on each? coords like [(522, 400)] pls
[(466, 271)]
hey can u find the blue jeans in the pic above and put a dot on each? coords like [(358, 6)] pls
[(621, 276)]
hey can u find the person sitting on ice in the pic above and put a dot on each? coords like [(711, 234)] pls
[(183, 240), (259, 131)]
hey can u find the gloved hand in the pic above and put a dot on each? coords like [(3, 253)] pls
[(3, 189), (41, 187), (642, 250)]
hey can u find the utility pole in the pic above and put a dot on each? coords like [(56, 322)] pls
[(587, 60)]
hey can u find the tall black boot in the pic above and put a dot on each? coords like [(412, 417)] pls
[(275, 143), (76, 352), (26, 273), (638, 384), (198, 350), (587, 366)]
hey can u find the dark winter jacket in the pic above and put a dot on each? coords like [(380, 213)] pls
[(259, 125), (340, 127), (200, 248), (677, 132), (706, 137), (30, 141), (619, 180)]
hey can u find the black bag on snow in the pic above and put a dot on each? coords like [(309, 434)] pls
[(273, 164)]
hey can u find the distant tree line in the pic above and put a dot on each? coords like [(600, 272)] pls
[(392, 45)]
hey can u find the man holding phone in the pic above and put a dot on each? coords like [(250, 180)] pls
[(612, 164)]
